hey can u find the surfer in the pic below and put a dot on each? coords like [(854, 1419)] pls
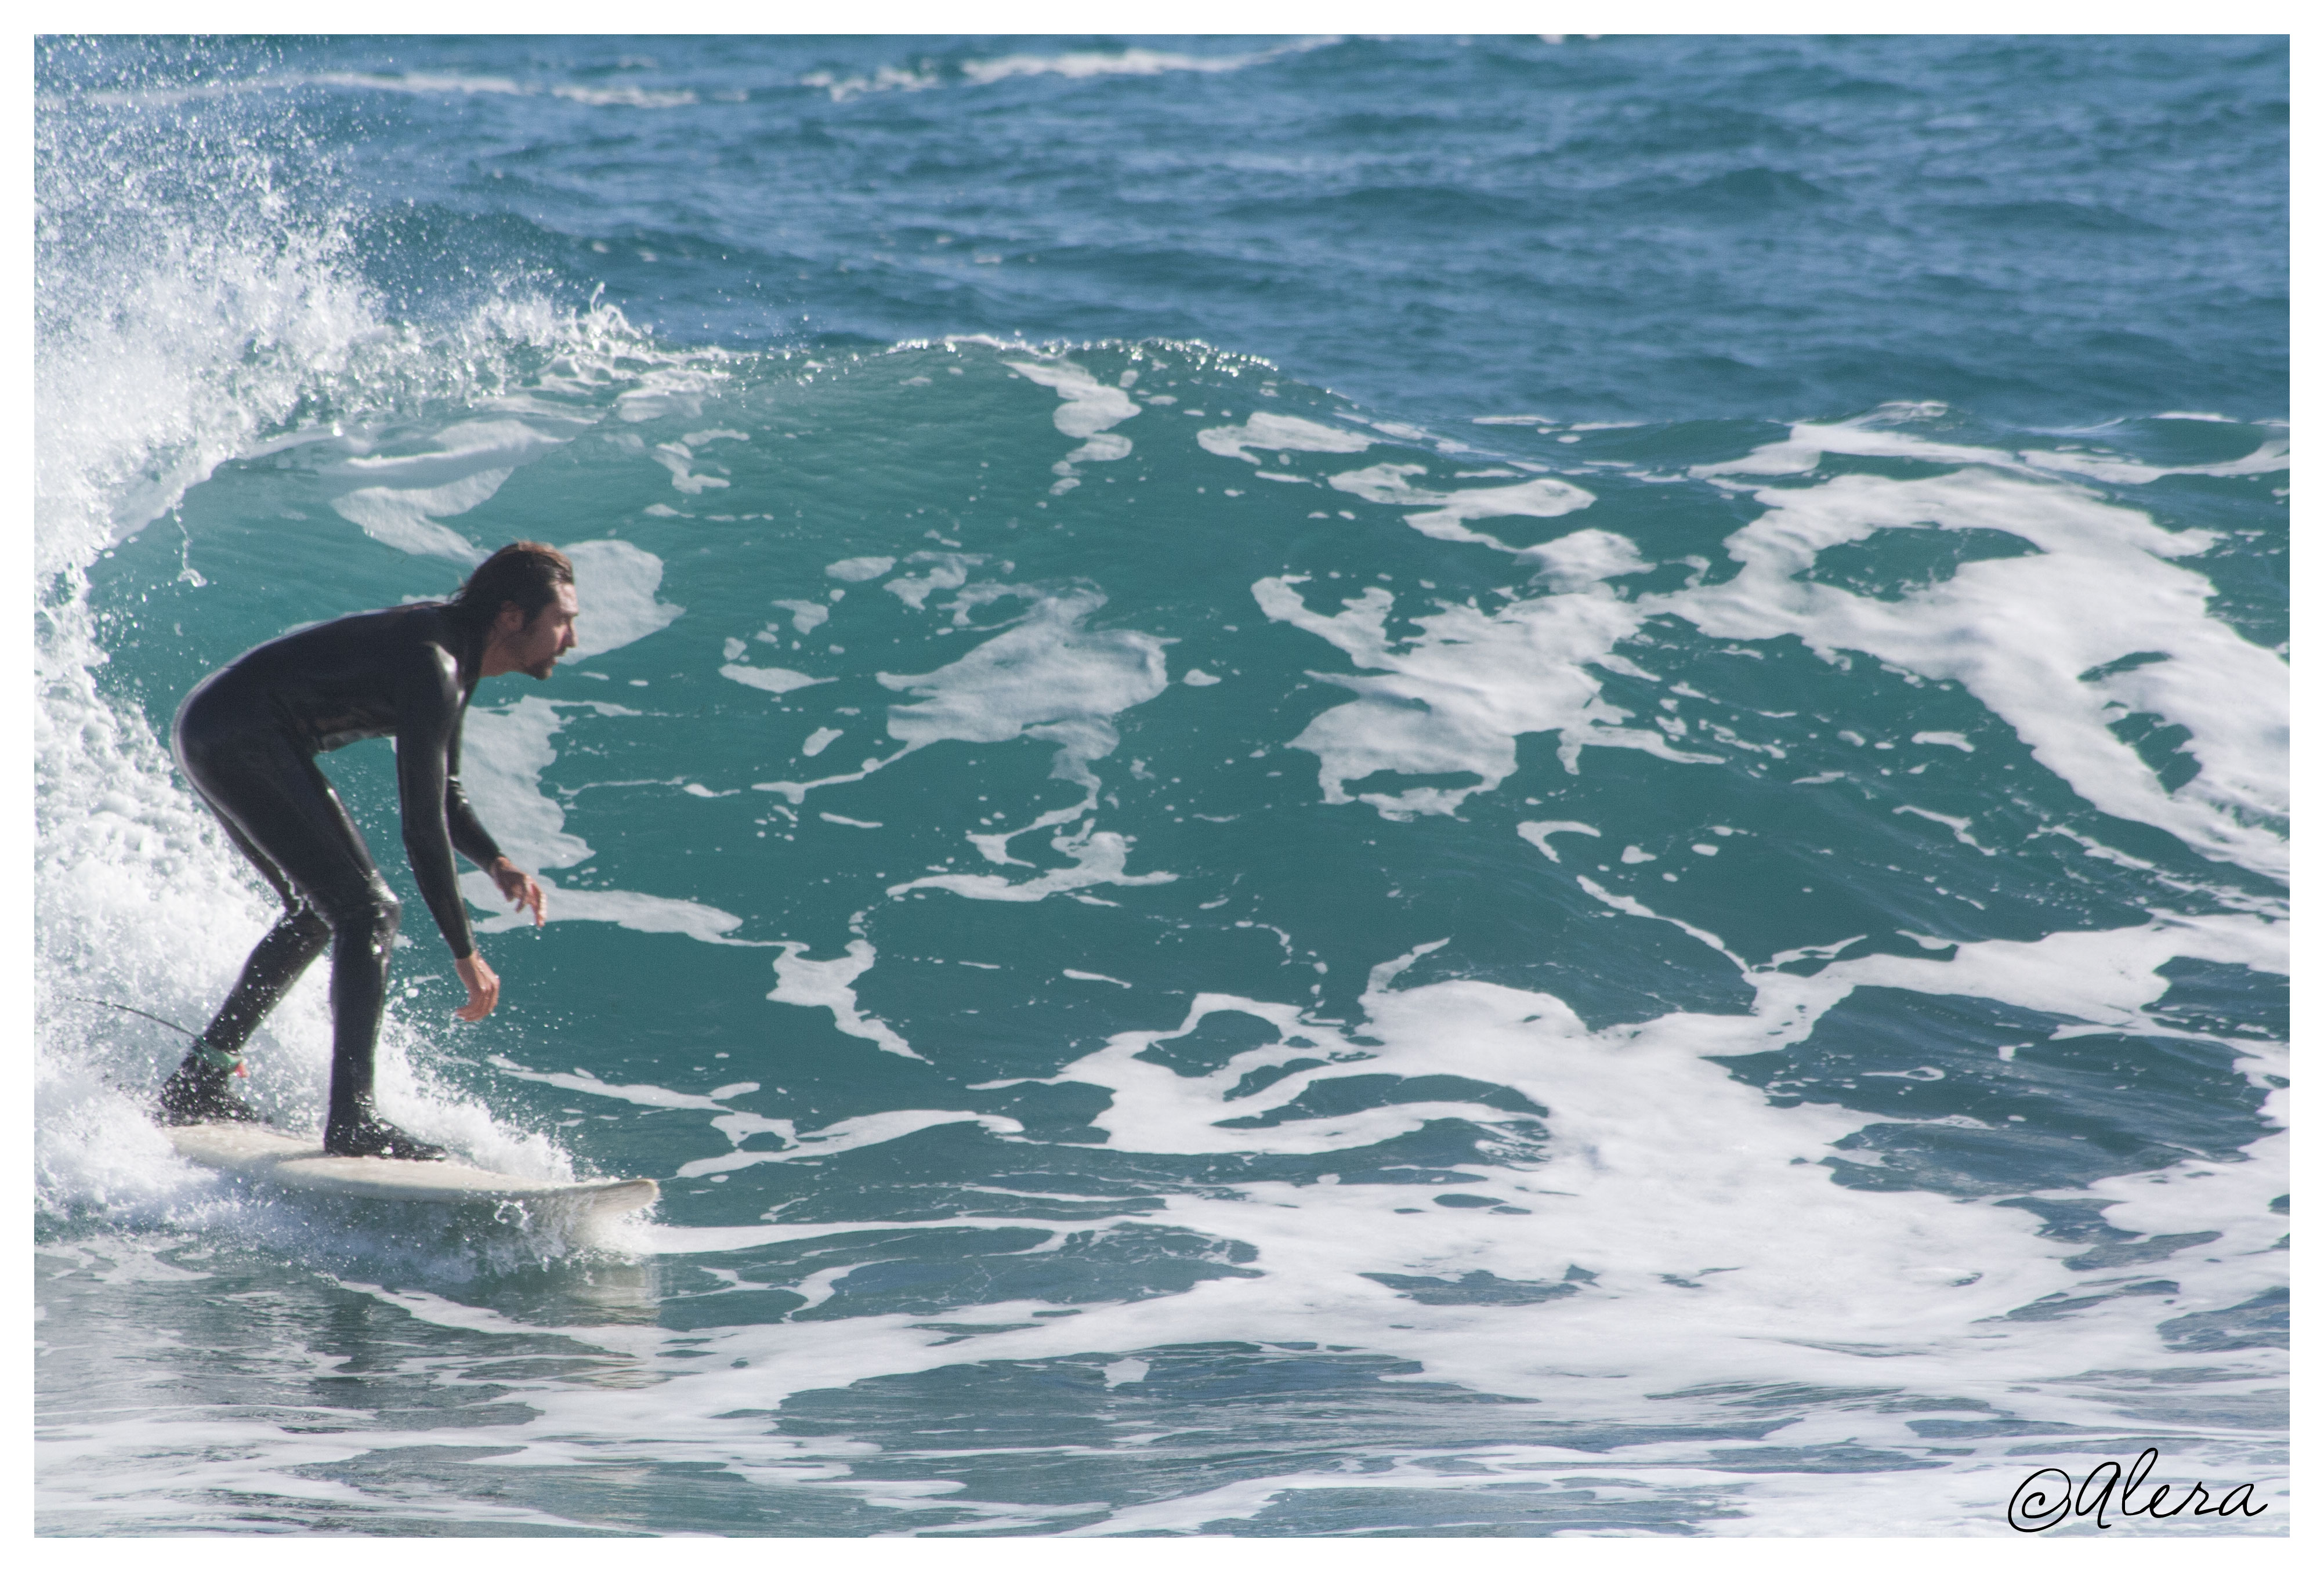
[(247, 736)]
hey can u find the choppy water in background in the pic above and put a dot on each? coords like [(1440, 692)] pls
[(1333, 787)]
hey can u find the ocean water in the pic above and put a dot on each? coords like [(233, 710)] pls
[(1317, 787)]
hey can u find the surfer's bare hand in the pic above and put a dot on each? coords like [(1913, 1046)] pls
[(483, 988), (520, 888)]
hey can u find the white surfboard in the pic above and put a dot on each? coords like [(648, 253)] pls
[(300, 1162)]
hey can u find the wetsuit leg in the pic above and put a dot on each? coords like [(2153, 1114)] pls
[(280, 809), (201, 1091), (280, 959)]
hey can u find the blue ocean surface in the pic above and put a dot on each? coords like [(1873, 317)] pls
[(1316, 787)]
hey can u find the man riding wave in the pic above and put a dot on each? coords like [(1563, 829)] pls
[(247, 736)]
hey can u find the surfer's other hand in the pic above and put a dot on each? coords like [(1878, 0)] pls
[(520, 888), (483, 988)]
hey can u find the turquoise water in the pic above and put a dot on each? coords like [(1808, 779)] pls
[(1337, 787)]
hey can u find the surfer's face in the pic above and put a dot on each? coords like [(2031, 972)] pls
[(532, 648)]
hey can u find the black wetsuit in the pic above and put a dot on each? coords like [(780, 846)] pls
[(247, 737)]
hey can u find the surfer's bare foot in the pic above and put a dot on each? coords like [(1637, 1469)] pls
[(375, 1138), (198, 1095)]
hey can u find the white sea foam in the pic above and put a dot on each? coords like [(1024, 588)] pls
[(1958, 824), (209, 354), (2033, 638), (1087, 406), (847, 1135), (640, 913), (408, 82), (885, 80), (771, 679), (406, 519), (806, 616), (504, 752), (684, 1420), (1099, 858), (426, 84), (628, 97), (1047, 670), (2044, 641), (1082, 64), (2269, 458), (2107, 979), (1279, 433), (1445, 515), (1538, 831), (644, 1094), (1584, 557), (1757, 1272), (1129, 62), (401, 497), (830, 985), (1091, 64), (1875, 435), (795, 791), (1088, 410), (503, 755), (1048, 678), (1051, 679), (615, 584), (1454, 697), (675, 459), (947, 570), (1642, 1124)]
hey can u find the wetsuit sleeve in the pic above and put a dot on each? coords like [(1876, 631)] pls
[(469, 836), (428, 724)]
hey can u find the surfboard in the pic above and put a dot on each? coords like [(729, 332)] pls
[(300, 1162)]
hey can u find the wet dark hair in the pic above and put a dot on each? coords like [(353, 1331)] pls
[(524, 571)]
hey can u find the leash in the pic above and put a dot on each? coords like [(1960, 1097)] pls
[(208, 1055), (133, 1009)]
